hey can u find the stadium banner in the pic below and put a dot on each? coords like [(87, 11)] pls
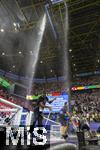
[(85, 87)]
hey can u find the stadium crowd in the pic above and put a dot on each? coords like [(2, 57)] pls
[(94, 80), (86, 104)]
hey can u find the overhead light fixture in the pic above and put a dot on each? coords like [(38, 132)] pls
[(13, 66), (33, 72), (74, 64), (98, 60), (16, 29), (75, 69), (3, 53), (19, 52), (70, 50), (51, 70), (41, 62), (31, 52), (14, 24), (2, 30)]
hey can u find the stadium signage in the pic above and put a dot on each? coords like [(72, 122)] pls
[(85, 87)]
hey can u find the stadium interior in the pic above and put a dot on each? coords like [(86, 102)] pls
[(51, 46)]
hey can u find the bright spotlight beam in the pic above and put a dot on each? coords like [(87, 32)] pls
[(66, 69), (37, 49)]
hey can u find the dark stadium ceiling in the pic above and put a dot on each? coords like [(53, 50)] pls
[(18, 25)]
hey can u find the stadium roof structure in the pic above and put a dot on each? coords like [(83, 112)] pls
[(19, 23)]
